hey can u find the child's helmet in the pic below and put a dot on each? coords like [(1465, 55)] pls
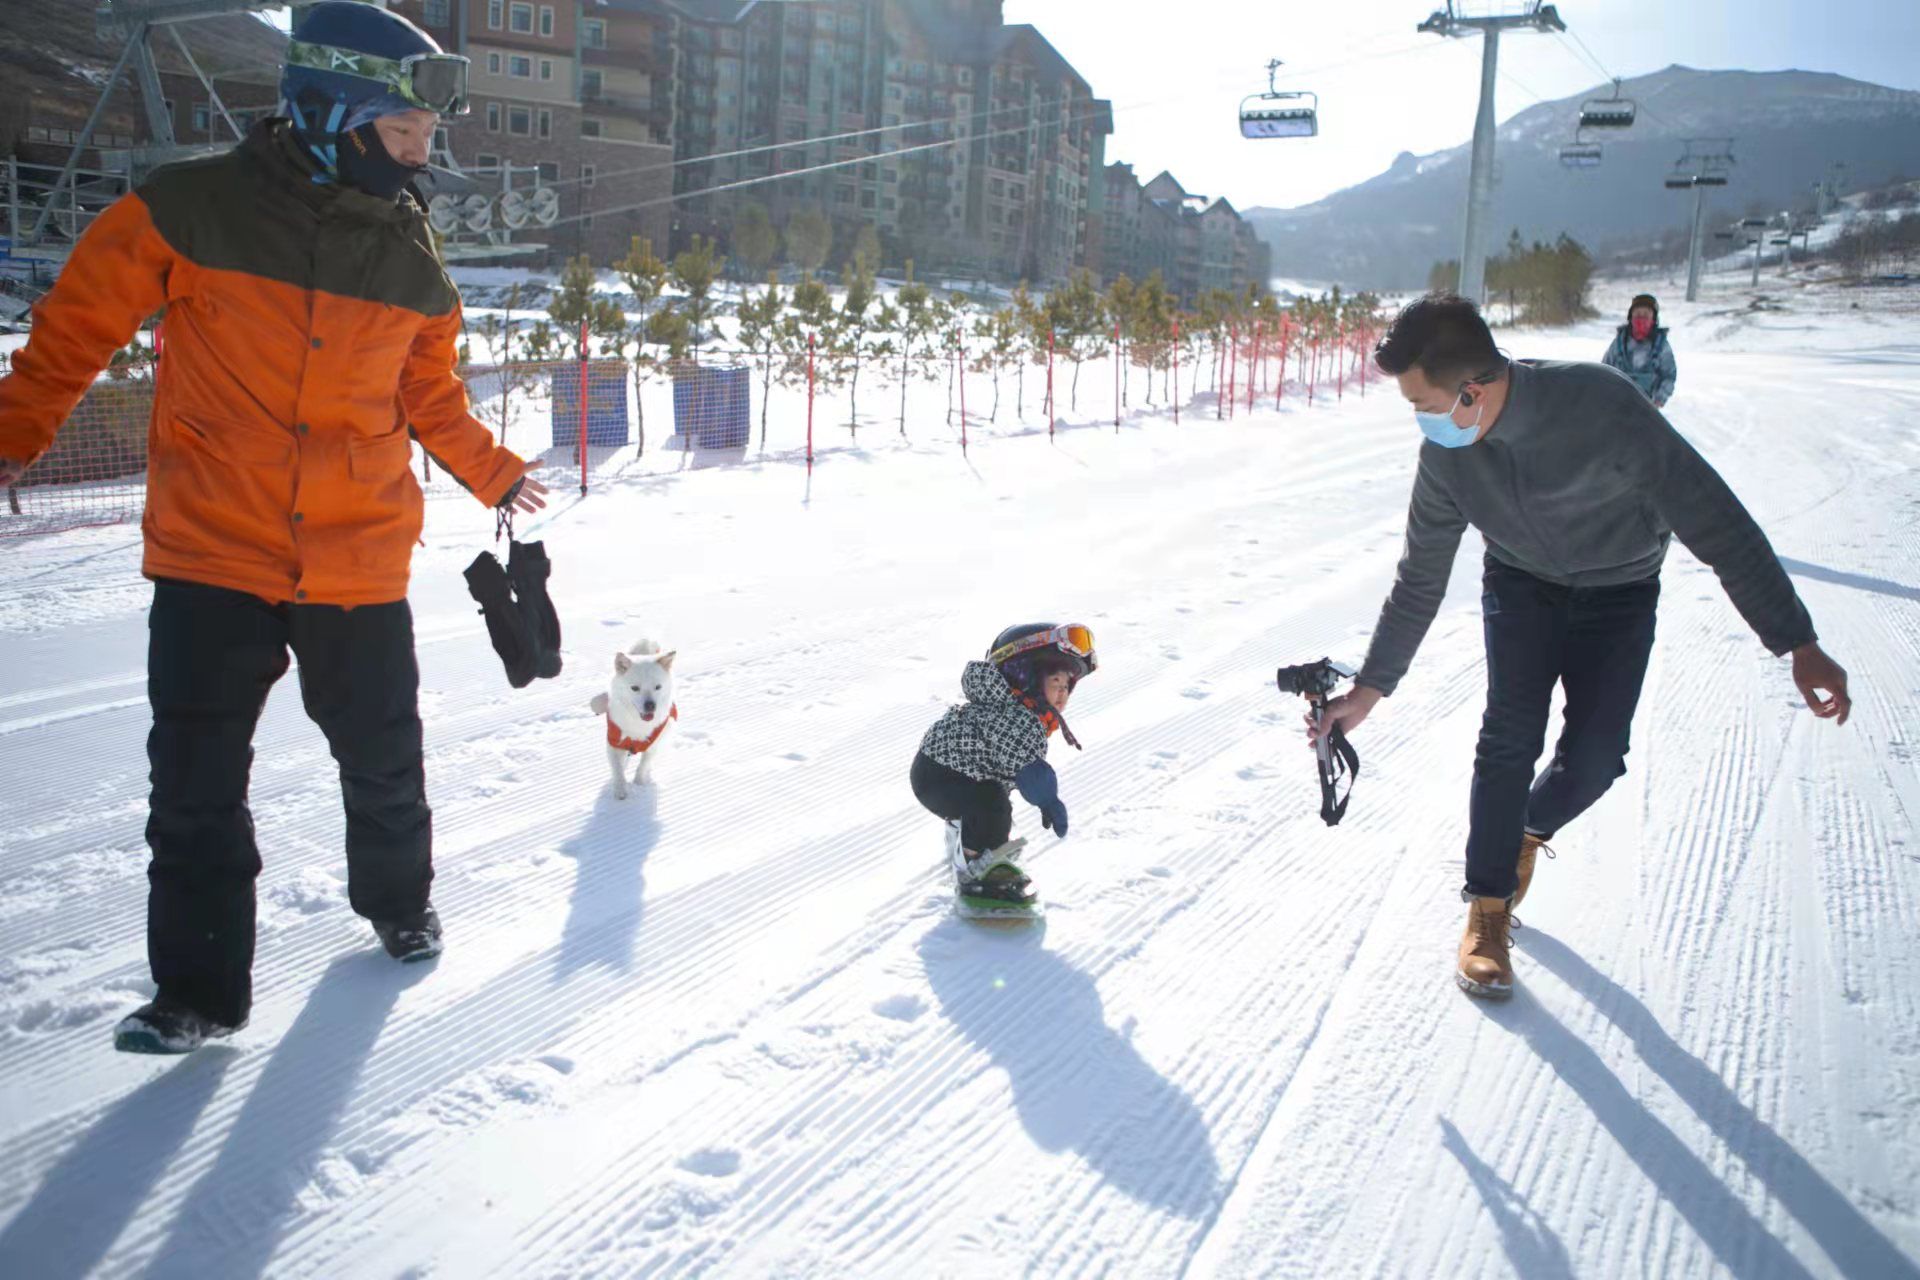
[(1028, 653)]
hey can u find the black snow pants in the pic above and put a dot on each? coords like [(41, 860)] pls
[(983, 809), (213, 655)]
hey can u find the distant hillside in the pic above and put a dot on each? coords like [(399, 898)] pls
[(1787, 125)]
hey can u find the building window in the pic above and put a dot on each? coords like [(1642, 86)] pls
[(520, 67), (589, 128), (587, 173), (435, 12), (546, 19), (202, 118), (495, 12), (594, 33), (589, 84), (493, 117), (486, 160), (520, 121), (520, 18), (546, 68), (493, 64), (546, 123)]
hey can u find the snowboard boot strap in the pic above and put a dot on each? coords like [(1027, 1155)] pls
[(528, 568), (487, 582)]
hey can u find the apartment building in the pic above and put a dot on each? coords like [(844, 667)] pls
[(1195, 243), (542, 101)]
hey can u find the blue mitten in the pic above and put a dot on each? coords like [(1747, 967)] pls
[(1040, 788)]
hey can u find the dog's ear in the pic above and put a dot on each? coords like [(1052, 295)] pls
[(666, 659), (622, 663)]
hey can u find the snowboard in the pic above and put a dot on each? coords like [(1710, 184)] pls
[(986, 910)]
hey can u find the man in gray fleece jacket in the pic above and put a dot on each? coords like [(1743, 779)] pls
[(1577, 483)]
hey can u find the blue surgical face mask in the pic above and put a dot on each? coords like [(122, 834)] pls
[(1440, 428)]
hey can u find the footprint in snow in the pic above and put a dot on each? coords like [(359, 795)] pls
[(712, 1162), (795, 756), (1196, 693), (901, 1008)]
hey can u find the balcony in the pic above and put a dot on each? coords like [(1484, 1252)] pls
[(613, 100)]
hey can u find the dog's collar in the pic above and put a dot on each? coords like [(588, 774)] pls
[(634, 746)]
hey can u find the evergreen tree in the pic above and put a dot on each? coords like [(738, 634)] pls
[(754, 239)]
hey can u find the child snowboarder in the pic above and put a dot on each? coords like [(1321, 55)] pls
[(977, 752)]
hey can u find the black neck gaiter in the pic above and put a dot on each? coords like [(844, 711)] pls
[(364, 163)]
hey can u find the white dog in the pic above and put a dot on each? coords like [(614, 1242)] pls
[(638, 706)]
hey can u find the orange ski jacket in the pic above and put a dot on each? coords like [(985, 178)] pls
[(309, 326)]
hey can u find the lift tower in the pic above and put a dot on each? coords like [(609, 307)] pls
[(1460, 18)]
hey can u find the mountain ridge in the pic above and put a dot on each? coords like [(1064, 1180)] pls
[(1788, 126)]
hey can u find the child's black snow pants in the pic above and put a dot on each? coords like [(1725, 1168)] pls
[(213, 654), (983, 809)]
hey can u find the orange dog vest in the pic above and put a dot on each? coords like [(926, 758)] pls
[(634, 746)]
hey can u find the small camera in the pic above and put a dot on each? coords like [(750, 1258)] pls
[(1312, 679)]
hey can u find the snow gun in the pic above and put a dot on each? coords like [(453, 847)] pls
[(1316, 681)]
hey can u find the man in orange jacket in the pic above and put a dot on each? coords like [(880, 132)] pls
[(311, 333)]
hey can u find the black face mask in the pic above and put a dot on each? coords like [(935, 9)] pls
[(364, 163)]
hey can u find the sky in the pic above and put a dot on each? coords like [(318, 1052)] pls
[(1176, 79)]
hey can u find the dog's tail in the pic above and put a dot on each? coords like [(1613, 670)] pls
[(645, 648)]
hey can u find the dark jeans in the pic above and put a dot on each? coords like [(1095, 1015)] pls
[(213, 654), (983, 809), (1595, 642)]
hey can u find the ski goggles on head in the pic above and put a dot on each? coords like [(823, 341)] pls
[(1071, 638), (434, 82)]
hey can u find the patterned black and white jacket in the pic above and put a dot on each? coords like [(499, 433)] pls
[(992, 735)]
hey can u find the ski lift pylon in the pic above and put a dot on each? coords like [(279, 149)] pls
[(1608, 113), (1279, 113)]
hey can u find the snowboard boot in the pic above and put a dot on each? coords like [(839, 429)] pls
[(993, 874), (528, 567), (1486, 965), (1530, 845), (410, 938), (167, 1026)]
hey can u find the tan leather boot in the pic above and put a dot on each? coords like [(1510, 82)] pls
[(1486, 969), (1530, 846)]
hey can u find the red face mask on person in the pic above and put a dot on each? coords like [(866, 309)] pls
[(1641, 326)]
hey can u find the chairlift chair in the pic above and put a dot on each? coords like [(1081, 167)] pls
[(1608, 113), (1580, 154), (1279, 113), (1680, 181)]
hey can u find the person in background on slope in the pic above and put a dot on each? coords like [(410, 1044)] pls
[(309, 324), (1578, 484), (975, 754), (1641, 351)]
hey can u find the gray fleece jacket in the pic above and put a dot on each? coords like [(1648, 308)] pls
[(1581, 482)]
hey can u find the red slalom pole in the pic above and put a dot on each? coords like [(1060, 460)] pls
[(1280, 381), (583, 407), (1340, 345), (1233, 368), (809, 404), (1253, 365), (962, 357), (1050, 413)]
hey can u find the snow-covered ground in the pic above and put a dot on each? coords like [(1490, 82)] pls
[(728, 1027)]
